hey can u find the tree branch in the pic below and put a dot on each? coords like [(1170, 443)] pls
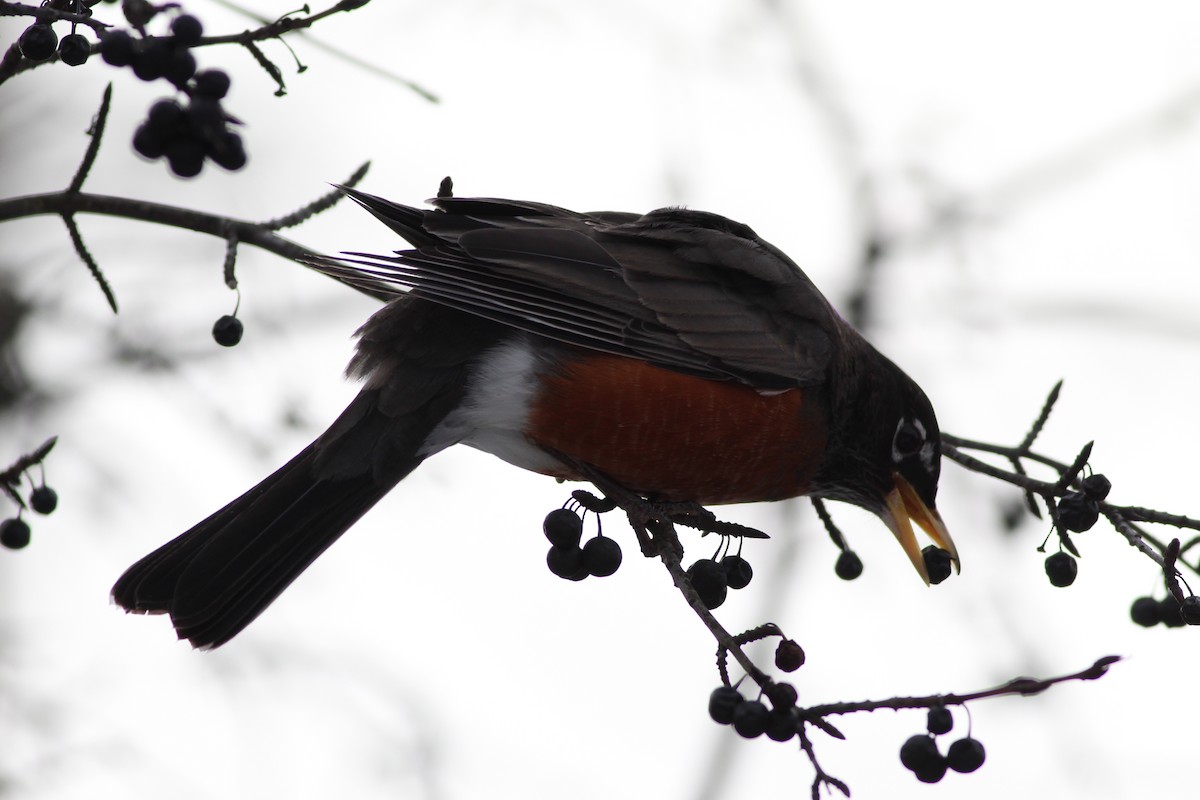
[(247, 232)]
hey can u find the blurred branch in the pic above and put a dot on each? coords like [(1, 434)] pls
[(292, 24), (815, 73)]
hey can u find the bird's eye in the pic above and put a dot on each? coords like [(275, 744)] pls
[(909, 438)]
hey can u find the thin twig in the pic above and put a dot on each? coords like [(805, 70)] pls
[(10, 478), (231, 249), (96, 131), (835, 533), (1022, 686), (323, 203), (88, 260), (268, 65), (1072, 472), (273, 28), (1043, 416), (820, 777)]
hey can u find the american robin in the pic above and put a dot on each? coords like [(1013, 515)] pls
[(676, 353)]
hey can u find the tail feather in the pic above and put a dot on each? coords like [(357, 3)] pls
[(212, 607), (214, 579), (217, 577)]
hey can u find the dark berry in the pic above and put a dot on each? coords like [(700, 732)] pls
[(166, 119), (738, 571), (750, 718), (1189, 609), (14, 533), (919, 751), (932, 773), (601, 556), (38, 41), (1076, 512), (1145, 611), (781, 695), (74, 49), (43, 500), (212, 83), (565, 562), (226, 150), (939, 720), (147, 143), (723, 701), (1170, 612), (186, 30), (782, 724), (562, 527), (937, 563), (117, 48), (151, 60), (849, 566), (181, 66), (1061, 569), (185, 156), (708, 579), (1096, 487), (789, 656), (205, 117), (227, 331), (965, 755)]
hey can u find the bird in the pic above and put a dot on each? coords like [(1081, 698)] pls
[(675, 352)]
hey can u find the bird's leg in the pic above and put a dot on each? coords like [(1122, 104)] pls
[(697, 516)]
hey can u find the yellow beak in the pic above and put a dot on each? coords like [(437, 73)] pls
[(903, 505)]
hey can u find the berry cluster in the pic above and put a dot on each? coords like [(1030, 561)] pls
[(1078, 511), (599, 557), (1148, 612), (155, 57), (39, 42), (186, 136), (14, 532), (1075, 512), (713, 579), (185, 133), (752, 718), (920, 754)]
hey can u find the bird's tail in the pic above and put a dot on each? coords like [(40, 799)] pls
[(216, 578)]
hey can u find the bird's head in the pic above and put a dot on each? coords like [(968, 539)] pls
[(891, 455)]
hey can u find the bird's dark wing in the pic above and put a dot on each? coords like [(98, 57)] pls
[(686, 290)]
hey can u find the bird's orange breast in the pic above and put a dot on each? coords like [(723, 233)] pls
[(676, 437)]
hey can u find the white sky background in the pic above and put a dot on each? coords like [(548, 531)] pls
[(1037, 165)]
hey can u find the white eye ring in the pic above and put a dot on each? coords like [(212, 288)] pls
[(907, 427)]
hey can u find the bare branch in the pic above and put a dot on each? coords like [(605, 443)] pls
[(96, 132), (323, 203), (1016, 686), (11, 476), (88, 260), (251, 233)]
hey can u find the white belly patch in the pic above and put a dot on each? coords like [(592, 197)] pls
[(495, 409)]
